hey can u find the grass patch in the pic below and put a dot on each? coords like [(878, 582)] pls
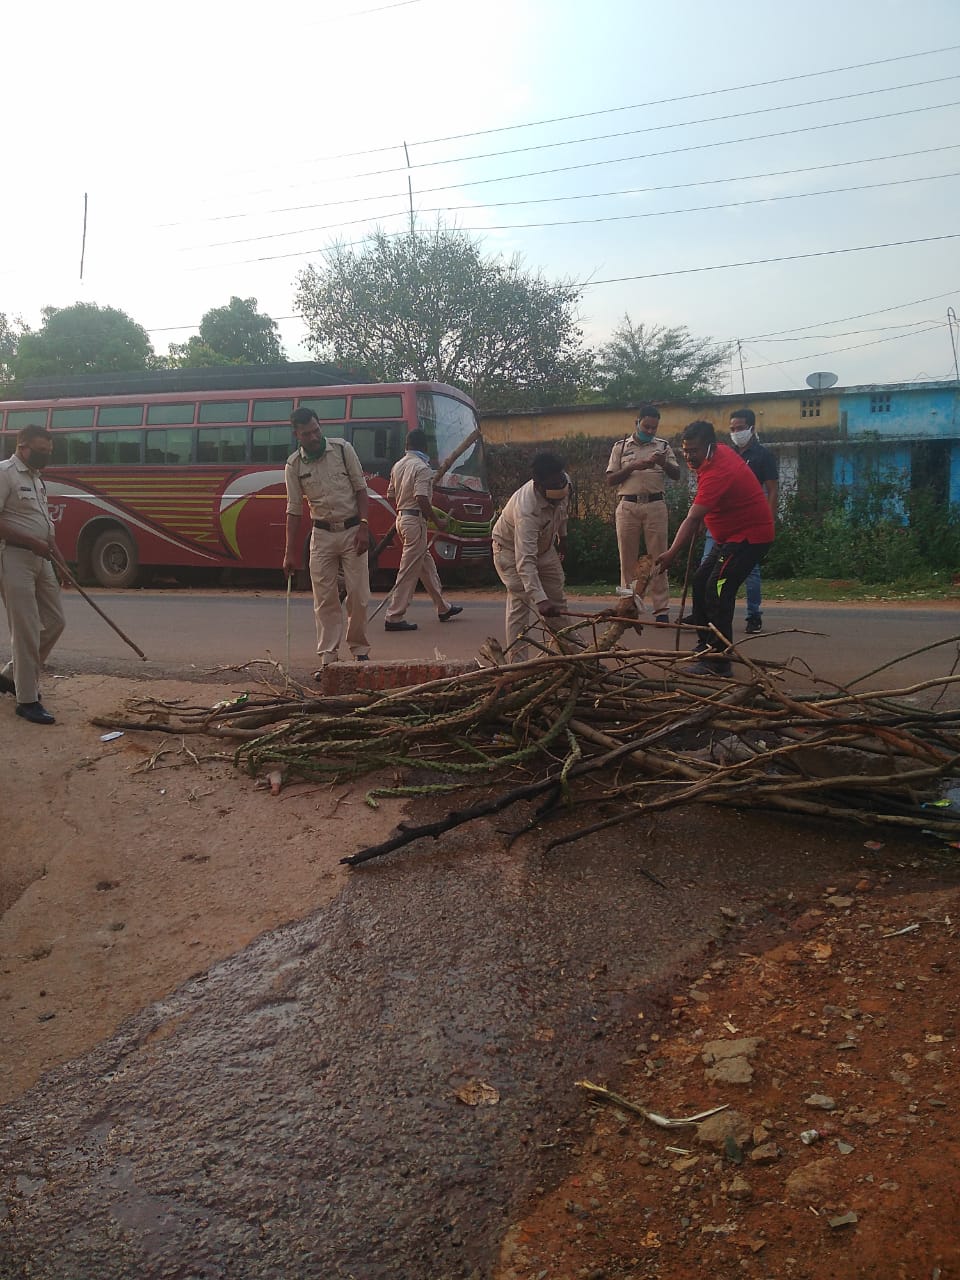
[(932, 587)]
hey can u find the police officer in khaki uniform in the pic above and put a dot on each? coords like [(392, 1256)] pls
[(329, 475), (411, 490), (31, 571), (637, 467), (529, 543)]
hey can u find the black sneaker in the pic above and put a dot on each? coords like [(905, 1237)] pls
[(754, 625), (450, 613), (402, 625), (710, 667), (7, 685)]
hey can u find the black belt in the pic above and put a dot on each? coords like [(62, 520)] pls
[(411, 511), (329, 527), (641, 497)]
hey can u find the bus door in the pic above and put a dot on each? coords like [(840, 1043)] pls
[(379, 445)]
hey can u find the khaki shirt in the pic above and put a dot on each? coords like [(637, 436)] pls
[(628, 451), (23, 500), (526, 530), (410, 479), (329, 483)]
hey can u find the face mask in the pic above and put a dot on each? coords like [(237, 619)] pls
[(645, 437), (36, 460), (741, 437), (556, 495), (316, 450)]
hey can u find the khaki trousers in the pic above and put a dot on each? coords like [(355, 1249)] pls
[(31, 596), (521, 611), (646, 521), (416, 563), (330, 554)]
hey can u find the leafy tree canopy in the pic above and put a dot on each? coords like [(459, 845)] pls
[(11, 331), (235, 334), (430, 305), (654, 362), (84, 338)]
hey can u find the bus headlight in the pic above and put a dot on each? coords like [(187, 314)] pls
[(445, 550)]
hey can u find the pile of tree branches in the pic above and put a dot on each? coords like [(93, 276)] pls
[(590, 721)]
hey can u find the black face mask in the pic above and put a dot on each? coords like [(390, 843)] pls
[(37, 460), (315, 450)]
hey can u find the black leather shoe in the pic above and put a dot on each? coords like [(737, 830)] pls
[(402, 625), (362, 657), (35, 712), (7, 685), (450, 613)]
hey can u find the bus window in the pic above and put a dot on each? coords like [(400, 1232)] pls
[(376, 407), (172, 447), (161, 415), (75, 448), (272, 410), (121, 415), (17, 419), (272, 444), (222, 444), (9, 446), (327, 408), (71, 418), (119, 448), (378, 445), (223, 411)]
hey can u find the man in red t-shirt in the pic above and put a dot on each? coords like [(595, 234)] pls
[(731, 501)]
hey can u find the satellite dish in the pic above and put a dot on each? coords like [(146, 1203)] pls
[(822, 381)]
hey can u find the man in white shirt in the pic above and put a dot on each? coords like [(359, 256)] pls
[(529, 542), (411, 490)]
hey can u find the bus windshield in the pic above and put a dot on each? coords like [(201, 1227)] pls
[(450, 425)]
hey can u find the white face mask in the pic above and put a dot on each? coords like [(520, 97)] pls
[(741, 438)]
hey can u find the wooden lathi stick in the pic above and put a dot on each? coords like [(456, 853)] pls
[(96, 608)]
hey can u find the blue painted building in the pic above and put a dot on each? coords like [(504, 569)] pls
[(887, 422)]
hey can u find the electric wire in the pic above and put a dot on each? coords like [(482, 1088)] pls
[(637, 106), (587, 164), (628, 133), (855, 347), (405, 213)]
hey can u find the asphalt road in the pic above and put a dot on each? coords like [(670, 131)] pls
[(189, 632)]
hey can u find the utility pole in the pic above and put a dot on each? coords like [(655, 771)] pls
[(952, 324), (743, 381), (409, 186), (83, 241)]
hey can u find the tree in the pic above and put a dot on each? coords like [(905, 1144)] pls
[(430, 305), (11, 331), (235, 334), (84, 338), (653, 362)]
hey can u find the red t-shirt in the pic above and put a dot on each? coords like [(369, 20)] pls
[(736, 506)]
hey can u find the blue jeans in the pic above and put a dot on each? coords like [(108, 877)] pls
[(752, 582)]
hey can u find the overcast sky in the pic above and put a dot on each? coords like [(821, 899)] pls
[(223, 146)]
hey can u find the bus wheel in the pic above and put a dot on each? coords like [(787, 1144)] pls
[(114, 559)]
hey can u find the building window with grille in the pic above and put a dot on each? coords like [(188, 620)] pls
[(880, 404), (809, 408)]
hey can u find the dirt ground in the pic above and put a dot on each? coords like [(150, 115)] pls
[(120, 877), (839, 1153), (121, 874)]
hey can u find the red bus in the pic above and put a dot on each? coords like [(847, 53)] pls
[(194, 480)]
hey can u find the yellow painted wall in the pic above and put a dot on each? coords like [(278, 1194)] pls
[(778, 414)]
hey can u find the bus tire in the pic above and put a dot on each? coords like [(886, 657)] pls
[(114, 559)]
